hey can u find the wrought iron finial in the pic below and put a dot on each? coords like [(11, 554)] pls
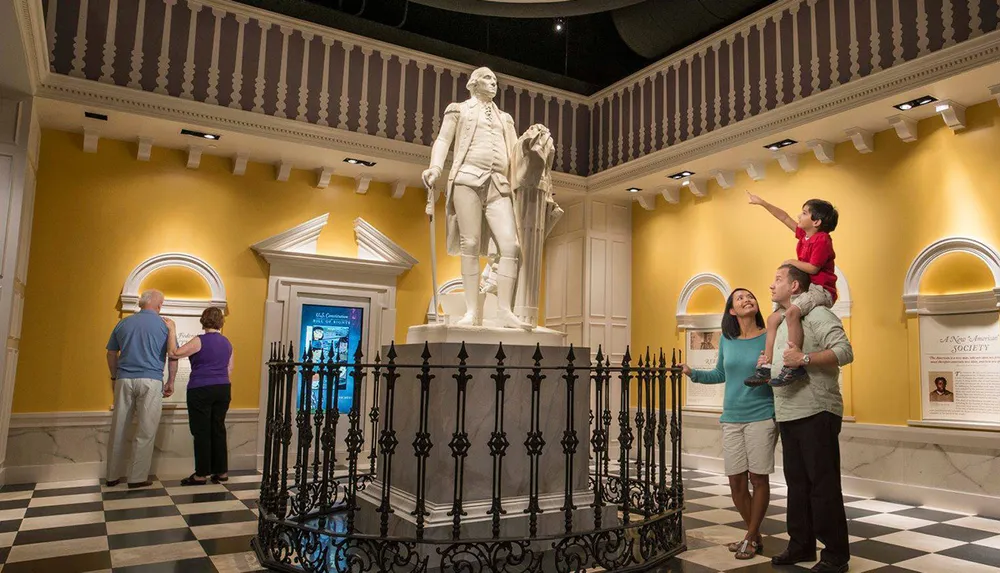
[(501, 355), (426, 354), (391, 355), (463, 354), (537, 357), (571, 356)]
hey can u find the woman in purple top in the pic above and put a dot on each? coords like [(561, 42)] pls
[(208, 395)]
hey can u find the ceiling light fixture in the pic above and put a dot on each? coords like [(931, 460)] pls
[(779, 144), (681, 175), (908, 105), (560, 24), (361, 162), (633, 189), (201, 134), (97, 116)]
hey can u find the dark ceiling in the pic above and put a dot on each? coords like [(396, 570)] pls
[(601, 41)]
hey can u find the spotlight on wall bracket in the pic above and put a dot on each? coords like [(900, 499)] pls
[(201, 134), (560, 24), (779, 144), (908, 105), (681, 175), (360, 162), (633, 189)]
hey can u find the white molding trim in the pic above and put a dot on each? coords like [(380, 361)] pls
[(920, 264), (374, 245), (842, 308), (964, 303), (293, 252), (450, 286), (299, 239), (685, 320), (130, 291), (951, 425), (103, 418)]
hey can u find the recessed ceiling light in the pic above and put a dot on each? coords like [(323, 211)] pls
[(681, 175), (634, 189), (201, 134), (779, 144), (908, 105), (97, 116), (560, 24), (362, 162)]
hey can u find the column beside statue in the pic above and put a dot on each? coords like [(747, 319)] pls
[(498, 204)]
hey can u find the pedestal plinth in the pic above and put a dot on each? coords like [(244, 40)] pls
[(480, 408), (445, 332)]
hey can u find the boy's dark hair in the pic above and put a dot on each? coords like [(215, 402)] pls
[(825, 213), (795, 274), (731, 324)]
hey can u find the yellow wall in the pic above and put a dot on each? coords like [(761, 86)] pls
[(893, 203), (955, 273), (706, 300), (99, 215)]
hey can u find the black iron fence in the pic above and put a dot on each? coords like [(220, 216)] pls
[(554, 465)]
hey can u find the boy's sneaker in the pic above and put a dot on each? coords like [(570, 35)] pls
[(789, 376), (760, 376)]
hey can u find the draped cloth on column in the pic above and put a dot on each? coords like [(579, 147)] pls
[(536, 211)]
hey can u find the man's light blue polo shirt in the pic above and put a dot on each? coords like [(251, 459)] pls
[(141, 340)]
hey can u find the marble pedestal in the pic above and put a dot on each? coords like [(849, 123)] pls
[(446, 332), (479, 419)]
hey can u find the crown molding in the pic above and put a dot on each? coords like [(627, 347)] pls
[(299, 239), (933, 67), (374, 245)]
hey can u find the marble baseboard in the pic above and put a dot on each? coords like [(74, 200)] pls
[(73, 445), (908, 465)]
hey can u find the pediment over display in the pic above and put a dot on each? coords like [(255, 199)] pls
[(294, 251)]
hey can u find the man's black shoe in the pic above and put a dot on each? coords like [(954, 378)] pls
[(827, 567), (786, 558)]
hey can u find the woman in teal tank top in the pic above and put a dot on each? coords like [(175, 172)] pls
[(749, 432)]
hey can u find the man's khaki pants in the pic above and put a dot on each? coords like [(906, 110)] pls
[(145, 395)]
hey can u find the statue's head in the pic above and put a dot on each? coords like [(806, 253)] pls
[(483, 83)]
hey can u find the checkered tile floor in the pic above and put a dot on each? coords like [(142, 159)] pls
[(885, 537), (81, 526)]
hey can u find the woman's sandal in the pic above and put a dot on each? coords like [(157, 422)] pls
[(748, 549), (190, 480)]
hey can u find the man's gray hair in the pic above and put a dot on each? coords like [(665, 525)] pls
[(150, 298), (476, 75)]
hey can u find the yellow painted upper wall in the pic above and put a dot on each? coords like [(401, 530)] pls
[(956, 273), (706, 300), (893, 203), (99, 215), (177, 282)]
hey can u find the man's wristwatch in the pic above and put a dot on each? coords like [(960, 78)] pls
[(805, 359)]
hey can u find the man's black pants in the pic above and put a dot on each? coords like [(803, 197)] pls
[(207, 407), (811, 451)]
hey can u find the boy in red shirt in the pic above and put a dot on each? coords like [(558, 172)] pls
[(815, 256)]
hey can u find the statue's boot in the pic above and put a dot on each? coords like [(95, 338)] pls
[(470, 283), (506, 281)]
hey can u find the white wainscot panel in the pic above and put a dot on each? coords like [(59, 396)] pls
[(598, 268), (574, 270)]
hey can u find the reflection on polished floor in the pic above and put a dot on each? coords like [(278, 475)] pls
[(77, 527)]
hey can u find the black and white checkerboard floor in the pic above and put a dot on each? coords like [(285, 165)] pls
[(886, 537), (77, 527), (74, 527)]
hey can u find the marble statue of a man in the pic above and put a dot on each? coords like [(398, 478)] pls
[(478, 196)]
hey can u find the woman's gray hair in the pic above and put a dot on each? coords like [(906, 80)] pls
[(150, 298)]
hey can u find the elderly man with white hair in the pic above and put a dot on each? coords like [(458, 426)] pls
[(137, 353)]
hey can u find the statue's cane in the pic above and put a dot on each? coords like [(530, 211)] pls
[(434, 282)]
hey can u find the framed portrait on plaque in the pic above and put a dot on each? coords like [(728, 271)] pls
[(702, 354), (960, 367)]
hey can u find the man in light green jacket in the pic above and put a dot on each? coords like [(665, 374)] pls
[(809, 415)]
